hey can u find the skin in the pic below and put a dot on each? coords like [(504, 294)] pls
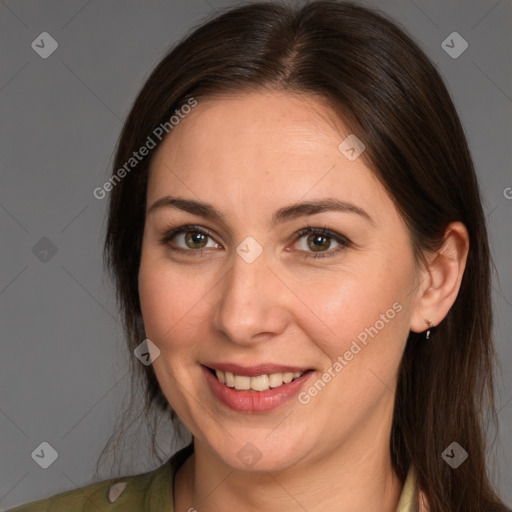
[(249, 155)]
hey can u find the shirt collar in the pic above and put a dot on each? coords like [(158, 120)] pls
[(408, 499), (159, 497)]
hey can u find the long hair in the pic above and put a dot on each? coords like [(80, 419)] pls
[(390, 95)]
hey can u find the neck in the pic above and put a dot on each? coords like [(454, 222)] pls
[(347, 478)]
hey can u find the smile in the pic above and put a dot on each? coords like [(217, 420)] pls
[(258, 383), (257, 389)]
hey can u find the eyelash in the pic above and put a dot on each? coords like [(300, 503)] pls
[(342, 240)]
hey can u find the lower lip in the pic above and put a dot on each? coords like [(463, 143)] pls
[(255, 401)]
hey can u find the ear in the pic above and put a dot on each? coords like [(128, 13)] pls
[(440, 279)]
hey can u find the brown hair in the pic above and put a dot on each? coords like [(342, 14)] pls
[(390, 95)]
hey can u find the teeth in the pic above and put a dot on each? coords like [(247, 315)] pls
[(259, 383), (230, 381), (242, 382), (275, 380), (287, 377)]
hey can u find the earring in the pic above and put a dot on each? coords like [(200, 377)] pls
[(430, 327)]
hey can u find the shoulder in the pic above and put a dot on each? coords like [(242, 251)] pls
[(148, 492), (132, 493)]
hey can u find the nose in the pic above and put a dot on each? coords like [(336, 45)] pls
[(252, 304)]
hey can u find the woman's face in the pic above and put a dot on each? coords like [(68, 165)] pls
[(250, 297)]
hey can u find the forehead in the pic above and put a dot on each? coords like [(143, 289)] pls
[(267, 125), (266, 147)]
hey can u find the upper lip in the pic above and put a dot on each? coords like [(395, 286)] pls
[(255, 370)]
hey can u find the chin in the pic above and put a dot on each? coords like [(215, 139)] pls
[(259, 454)]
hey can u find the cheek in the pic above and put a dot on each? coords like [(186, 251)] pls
[(363, 308), (367, 314), (170, 306), (154, 300), (172, 302)]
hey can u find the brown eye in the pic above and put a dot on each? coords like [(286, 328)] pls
[(195, 239), (188, 239), (318, 241)]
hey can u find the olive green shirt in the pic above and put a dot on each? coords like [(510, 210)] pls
[(150, 492)]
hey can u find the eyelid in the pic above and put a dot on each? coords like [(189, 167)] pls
[(342, 240), (169, 234), (338, 237)]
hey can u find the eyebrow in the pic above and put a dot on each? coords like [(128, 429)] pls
[(286, 213)]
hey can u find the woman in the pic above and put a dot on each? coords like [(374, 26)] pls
[(296, 233)]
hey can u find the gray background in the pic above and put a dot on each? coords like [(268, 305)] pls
[(63, 369)]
